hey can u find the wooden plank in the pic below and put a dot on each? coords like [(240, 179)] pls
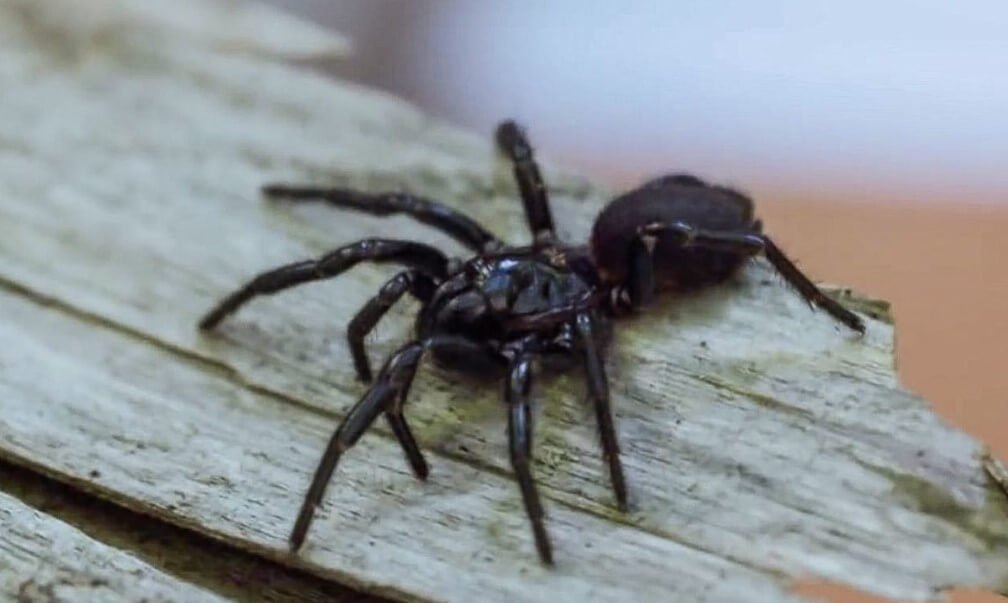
[(754, 431), (183, 441), (227, 26), (185, 555), (997, 470), (44, 559)]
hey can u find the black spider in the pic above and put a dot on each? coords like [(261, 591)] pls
[(499, 312)]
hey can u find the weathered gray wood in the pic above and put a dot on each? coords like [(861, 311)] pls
[(43, 559), (184, 441), (185, 555), (74, 29), (761, 441), (997, 470)]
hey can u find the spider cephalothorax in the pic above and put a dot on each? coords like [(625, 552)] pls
[(507, 308)]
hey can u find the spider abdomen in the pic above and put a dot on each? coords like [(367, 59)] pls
[(671, 200)]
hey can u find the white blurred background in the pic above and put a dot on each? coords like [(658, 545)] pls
[(896, 101)]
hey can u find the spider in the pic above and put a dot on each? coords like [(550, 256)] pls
[(501, 312)]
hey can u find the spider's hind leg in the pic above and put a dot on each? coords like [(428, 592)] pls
[(387, 396), (743, 243), (807, 289)]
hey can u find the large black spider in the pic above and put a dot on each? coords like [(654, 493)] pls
[(499, 312)]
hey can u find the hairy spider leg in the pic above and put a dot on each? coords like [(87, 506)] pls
[(807, 289), (512, 142), (417, 255), (386, 396), (745, 243), (418, 284)]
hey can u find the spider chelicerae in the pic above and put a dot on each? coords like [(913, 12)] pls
[(506, 308)]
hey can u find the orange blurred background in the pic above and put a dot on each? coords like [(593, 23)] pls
[(942, 267), (871, 136)]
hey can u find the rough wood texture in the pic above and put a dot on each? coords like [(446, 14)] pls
[(997, 470), (185, 555), (44, 559), (761, 441)]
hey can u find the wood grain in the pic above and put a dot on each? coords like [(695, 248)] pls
[(762, 442), (186, 556), (181, 440), (44, 559)]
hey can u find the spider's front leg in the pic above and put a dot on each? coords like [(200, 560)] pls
[(386, 396), (519, 385)]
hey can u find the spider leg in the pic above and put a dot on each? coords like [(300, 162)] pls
[(418, 284), (460, 347), (417, 255), (402, 432), (355, 423), (512, 142), (519, 383), (454, 223), (386, 396), (688, 236), (807, 289), (640, 278), (598, 386), (750, 243), (641, 281)]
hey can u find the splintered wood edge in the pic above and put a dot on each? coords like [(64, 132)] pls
[(875, 307), (45, 559), (185, 554), (996, 469)]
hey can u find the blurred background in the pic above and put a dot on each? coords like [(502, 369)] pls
[(895, 101), (872, 135)]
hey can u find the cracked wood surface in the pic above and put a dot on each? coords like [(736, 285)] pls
[(187, 556), (43, 559), (761, 441)]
